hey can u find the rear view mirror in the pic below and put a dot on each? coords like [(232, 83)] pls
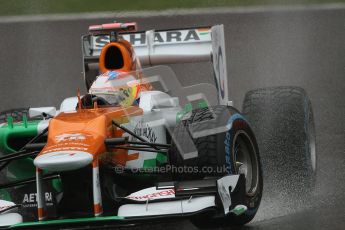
[(150, 100), (159, 102), (42, 111)]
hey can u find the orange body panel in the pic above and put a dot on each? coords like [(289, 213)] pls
[(97, 209), (41, 213), (76, 139), (92, 126), (129, 60)]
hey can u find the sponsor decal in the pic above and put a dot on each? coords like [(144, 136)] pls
[(69, 142), (173, 36), (144, 130), (155, 194), (188, 108), (57, 149), (228, 141), (5, 204), (112, 75), (219, 66), (203, 31), (219, 63), (70, 137), (62, 154), (30, 199)]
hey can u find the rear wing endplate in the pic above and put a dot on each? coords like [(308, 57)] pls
[(204, 44)]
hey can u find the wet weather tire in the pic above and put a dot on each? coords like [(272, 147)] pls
[(282, 120), (228, 140)]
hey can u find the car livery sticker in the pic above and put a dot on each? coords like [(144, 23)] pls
[(160, 37), (70, 137), (228, 141), (152, 194), (4, 204)]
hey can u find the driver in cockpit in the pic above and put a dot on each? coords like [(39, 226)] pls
[(120, 79)]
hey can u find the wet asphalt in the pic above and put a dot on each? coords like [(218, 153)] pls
[(40, 64)]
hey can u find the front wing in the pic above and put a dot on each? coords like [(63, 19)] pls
[(168, 200)]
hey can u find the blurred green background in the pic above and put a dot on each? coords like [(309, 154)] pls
[(20, 7)]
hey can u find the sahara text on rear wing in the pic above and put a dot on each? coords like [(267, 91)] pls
[(203, 44)]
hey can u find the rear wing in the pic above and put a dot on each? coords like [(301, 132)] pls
[(204, 44)]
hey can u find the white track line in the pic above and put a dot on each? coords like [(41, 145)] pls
[(171, 12)]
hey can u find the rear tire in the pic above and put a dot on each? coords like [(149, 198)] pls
[(221, 150), (282, 119)]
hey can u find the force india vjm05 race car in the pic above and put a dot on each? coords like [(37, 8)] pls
[(139, 146)]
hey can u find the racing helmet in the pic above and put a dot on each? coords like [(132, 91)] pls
[(120, 79), (117, 87)]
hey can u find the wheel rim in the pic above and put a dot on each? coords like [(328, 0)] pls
[(246, 161)]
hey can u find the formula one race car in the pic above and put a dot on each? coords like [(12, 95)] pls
[(139, 146)]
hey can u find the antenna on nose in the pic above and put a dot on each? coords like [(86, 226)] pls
[(79, 100)]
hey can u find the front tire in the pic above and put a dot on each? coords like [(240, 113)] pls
[(233, 149)]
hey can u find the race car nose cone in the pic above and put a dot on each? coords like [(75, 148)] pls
[(63, 160)]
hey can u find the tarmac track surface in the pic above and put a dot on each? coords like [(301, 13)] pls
[(40, 64)]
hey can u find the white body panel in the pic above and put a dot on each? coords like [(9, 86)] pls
[(96, 191), (41, 202), (8, 219), (219, 64), (63, 160), (4, 204), (179, 206), (223, 185), (69, 104), (167, 207), (152, 124), (151, 130), (34, 112), (158, 47), (150, 100), (42, 125)]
